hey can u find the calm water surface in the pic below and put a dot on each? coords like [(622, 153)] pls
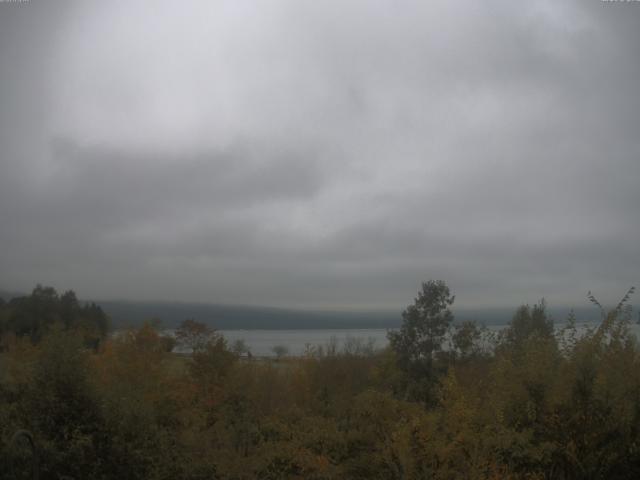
[(261, 342)]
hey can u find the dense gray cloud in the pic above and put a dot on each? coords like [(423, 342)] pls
[(320, 154)]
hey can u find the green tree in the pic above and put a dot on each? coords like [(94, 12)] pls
[(466, 339), (34, 315), (529, 321), (425, 324), (419, 340)]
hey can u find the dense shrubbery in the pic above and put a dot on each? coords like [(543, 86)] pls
[(531, 402)]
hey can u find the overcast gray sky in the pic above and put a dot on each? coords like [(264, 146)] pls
[(321, 154)]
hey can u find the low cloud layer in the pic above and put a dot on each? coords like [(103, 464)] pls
[(320, 154)]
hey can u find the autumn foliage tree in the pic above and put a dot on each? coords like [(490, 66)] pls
[(194, 336)]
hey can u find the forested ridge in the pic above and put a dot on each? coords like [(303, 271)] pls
[(445, 400)]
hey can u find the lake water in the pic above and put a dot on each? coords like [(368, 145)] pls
[(261, 342)]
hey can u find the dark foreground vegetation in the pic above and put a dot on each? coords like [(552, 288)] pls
[(445, 400)]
